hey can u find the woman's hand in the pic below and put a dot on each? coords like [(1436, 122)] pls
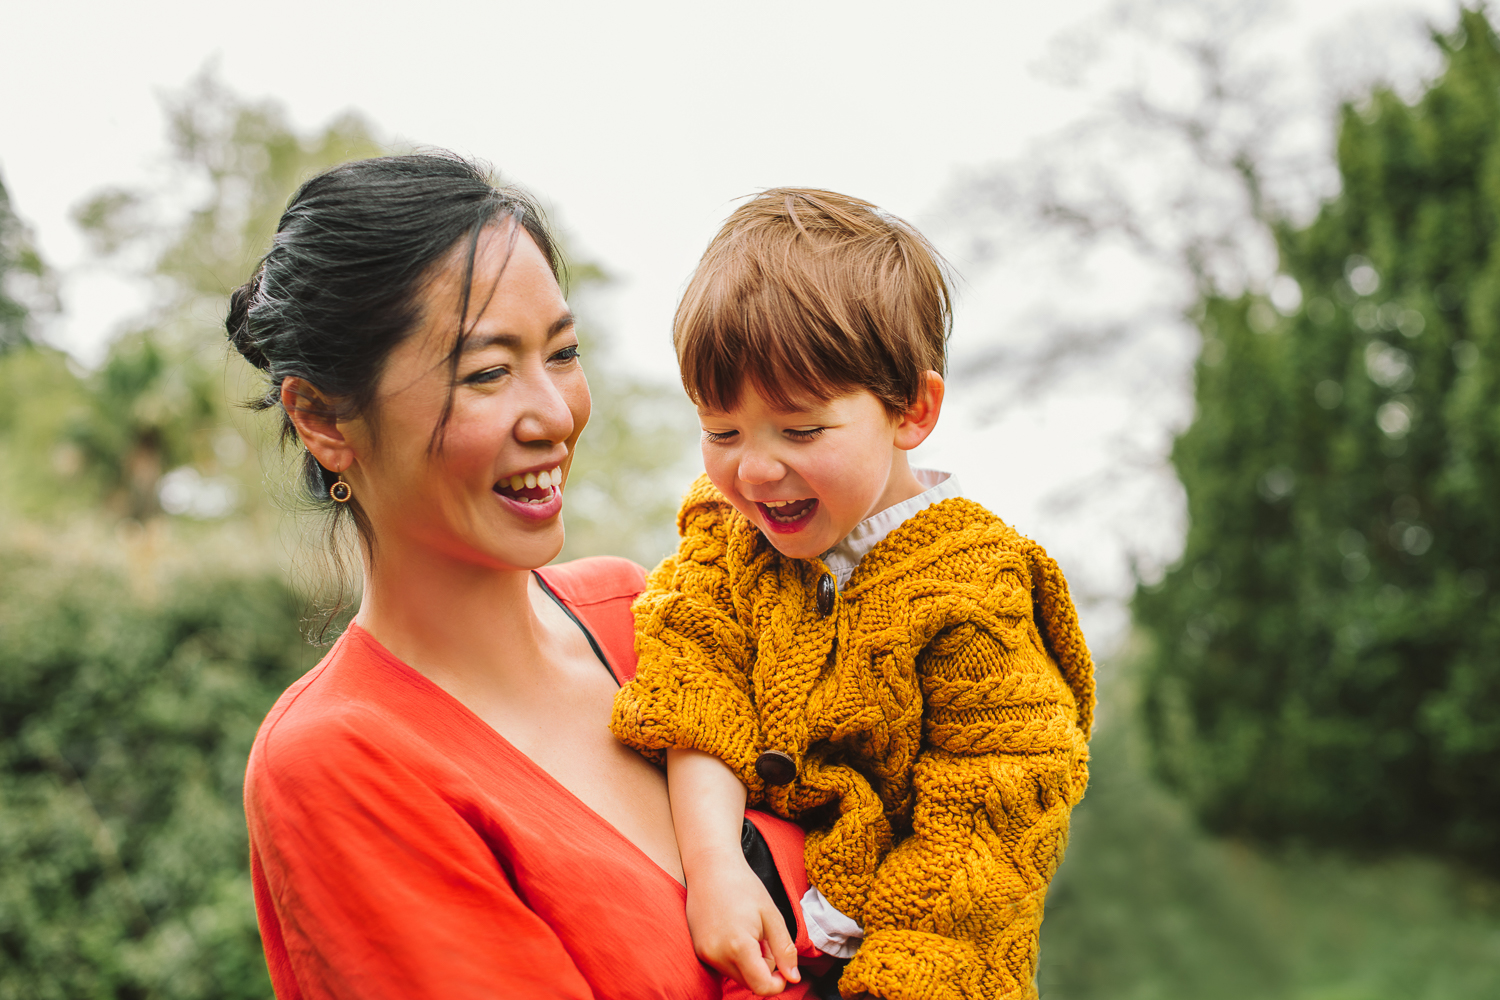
[(738, 930)]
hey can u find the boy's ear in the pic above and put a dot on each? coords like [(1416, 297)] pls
[(922, 416), (315, 416)]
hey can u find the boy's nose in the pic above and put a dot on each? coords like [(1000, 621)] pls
[(758, 467)]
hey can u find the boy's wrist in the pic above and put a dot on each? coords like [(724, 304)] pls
[(713, 858)]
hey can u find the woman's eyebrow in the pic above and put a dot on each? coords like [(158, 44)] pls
[(563, 322)]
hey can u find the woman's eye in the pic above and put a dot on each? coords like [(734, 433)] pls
[(805, 435), (567, 354), (486, 375), (715, 436)]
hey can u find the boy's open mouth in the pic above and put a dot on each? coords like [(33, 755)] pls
[(789, 511), (533, 487)]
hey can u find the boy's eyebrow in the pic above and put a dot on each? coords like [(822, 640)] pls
[(560, 324), (800, 407)]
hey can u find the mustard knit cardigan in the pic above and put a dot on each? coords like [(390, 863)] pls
[(940, 736)]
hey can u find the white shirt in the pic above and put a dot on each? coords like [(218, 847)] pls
[(870, 532)]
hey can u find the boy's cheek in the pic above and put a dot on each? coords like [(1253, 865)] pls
[(726, 486)]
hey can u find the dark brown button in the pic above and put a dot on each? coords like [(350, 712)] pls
[(775, 767), (827, 591)]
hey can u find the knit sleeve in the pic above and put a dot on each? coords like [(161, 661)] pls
[(956, 907), (692, 688)]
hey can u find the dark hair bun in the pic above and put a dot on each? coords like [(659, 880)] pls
[(237, 323)]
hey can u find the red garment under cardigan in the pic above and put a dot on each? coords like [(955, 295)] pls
[(401, 848)]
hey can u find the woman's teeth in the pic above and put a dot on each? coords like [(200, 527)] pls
[(533, 481)]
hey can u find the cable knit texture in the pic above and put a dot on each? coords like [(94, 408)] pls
[(940, 734)]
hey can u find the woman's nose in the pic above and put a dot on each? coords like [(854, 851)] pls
[(547, 417)]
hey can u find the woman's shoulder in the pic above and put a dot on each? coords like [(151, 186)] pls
[(352, 711), (594, 580), (598, 592)]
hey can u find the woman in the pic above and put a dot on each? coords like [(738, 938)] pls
[(438, 809)]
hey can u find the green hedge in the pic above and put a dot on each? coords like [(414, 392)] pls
[(126, 723)]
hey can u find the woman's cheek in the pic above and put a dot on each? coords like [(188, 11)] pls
[(580, 404)]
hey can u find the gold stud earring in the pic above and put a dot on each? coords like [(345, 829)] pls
[(340, 491)]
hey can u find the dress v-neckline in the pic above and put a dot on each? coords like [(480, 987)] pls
[(504, 746)]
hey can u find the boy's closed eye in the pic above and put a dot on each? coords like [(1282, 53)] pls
[(795, 433)]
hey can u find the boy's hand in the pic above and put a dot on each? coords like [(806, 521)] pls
[(738, 930)]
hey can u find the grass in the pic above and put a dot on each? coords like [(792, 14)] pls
[(1148, 907)]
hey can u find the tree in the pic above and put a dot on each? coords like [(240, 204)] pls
[(1324, 661), (158, 403), (25, 280)]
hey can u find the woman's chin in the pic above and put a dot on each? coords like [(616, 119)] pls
[(528, 552)]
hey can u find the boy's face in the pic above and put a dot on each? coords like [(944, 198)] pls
[(808, 476)]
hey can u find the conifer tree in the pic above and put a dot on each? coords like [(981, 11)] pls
[(1325, 661)]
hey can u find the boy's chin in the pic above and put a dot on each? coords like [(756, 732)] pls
[(796, 546)]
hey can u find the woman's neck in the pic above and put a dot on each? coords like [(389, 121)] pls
[(462, 625)]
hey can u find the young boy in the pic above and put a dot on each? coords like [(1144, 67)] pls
[(847, 640)]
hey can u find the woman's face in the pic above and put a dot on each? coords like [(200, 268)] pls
[(488, 491)]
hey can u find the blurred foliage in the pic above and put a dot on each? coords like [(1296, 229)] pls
[(126, 723), (1324, 662), (25, 281), (161, 401), (1146, 907), (633, 462), (41, 399)]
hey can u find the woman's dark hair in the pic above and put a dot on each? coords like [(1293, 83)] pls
[(341, 285)]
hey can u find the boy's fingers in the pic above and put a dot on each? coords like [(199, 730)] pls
[(755, 972), (781, 951)]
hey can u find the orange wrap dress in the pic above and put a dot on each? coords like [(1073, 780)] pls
[(402, 848)]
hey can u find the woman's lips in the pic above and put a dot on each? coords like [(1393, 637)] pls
[(534, 504), (536, 496), (788, 516)]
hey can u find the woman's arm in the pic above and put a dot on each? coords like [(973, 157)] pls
[(369, 885)]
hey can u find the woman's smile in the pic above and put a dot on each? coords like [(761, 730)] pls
[(535, 495)]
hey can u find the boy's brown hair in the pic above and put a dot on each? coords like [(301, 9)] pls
[(812, 294)]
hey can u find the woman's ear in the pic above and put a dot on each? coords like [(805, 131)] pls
[(315, 417), (922, 416)]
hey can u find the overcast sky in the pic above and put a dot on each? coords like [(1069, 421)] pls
[(639, 124)]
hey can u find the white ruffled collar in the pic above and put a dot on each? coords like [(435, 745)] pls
[(845, 556)]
